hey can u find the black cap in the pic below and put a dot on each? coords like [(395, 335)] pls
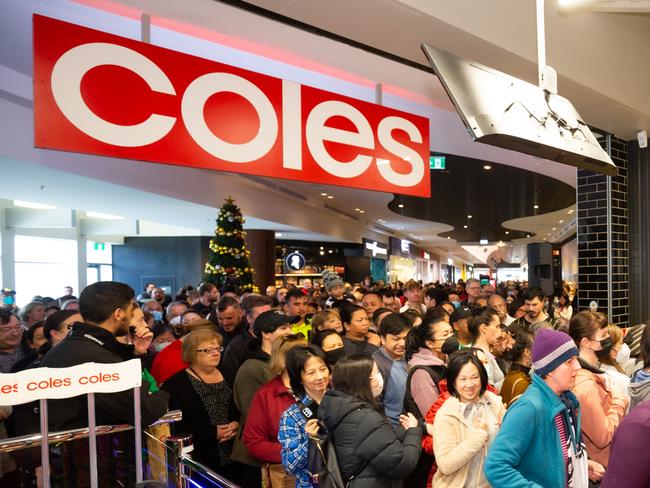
[(270, 320), (460, 313)]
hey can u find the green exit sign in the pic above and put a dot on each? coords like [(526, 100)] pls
[(437, 162), (100, 246)]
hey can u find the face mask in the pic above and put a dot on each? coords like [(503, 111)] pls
[(8, 300), (450, 346), (157, 316), (334, 355), (623, 355), (606, 347), (456, 303), (376, 390), (159, 346)]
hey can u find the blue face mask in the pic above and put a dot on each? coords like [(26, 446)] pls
[(157, 316), (8, 299), (456, 303)]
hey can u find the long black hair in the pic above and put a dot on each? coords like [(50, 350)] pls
[(523, 340), (417, 337), (351, 375), (480, 316)]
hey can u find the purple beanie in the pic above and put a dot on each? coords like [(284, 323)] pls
[(550, 349)]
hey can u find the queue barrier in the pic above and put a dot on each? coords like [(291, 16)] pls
[(41, 384)]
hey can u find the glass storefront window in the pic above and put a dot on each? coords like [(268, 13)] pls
[(43, 266)]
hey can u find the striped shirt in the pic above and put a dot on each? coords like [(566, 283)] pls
[(559, 423)]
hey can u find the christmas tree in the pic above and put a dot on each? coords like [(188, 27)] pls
[(229, 260)]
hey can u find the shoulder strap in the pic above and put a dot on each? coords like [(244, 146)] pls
[(434, 371)]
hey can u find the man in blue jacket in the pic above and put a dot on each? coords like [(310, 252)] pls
[(539, 443)]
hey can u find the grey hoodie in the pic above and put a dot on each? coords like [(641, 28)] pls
[(639, 388)]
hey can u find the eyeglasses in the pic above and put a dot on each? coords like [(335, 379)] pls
[(211, 350)]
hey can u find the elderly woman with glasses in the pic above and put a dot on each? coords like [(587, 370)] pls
[(205, 399)]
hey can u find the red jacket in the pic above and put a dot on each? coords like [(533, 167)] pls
[(168, 362), (263, 421)]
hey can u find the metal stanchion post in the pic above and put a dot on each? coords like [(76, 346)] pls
[(92, 440), (137, 418), (177, 473), (45, 446)]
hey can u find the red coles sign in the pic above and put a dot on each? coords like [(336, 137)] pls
[(102, 94)]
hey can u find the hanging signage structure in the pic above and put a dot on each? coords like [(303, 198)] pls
[(295, 261), (98, 93), (374, 248)]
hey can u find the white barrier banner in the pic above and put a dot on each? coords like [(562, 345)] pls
[(39, 383)]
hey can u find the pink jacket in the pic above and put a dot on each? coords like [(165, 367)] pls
[(601, 412)]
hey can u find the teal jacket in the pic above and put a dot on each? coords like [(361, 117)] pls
[(527, 451)]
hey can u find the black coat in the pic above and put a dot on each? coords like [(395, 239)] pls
[(85, 344), (364, 437), (196, 419)]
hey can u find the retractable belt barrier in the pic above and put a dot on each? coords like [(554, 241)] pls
[(85, 379)]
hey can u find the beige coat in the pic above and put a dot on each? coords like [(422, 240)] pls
[(455, 444)]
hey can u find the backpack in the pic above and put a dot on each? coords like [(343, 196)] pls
[(322, 462), (436, 373), (420, 475)]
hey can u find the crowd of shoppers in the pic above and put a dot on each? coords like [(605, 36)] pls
[(440, 385)]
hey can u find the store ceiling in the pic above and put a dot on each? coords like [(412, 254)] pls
[(476, 198), (204, 27)]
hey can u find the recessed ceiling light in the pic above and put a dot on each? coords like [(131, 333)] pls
[(464, 227), (362, 211), (487, 167), (554, 228), (34, 205), (330, 196), (561, 221), (570, 212), (469, 216), (381, 220), (544, 238), (330, 251), (535, 207), (548, 234), (324, 194), (401, 205), (507, 232), (448, 237), (322, 253), (356, 209), (527, 235)]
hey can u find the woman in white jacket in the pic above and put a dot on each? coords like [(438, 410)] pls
[(466, 424)]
